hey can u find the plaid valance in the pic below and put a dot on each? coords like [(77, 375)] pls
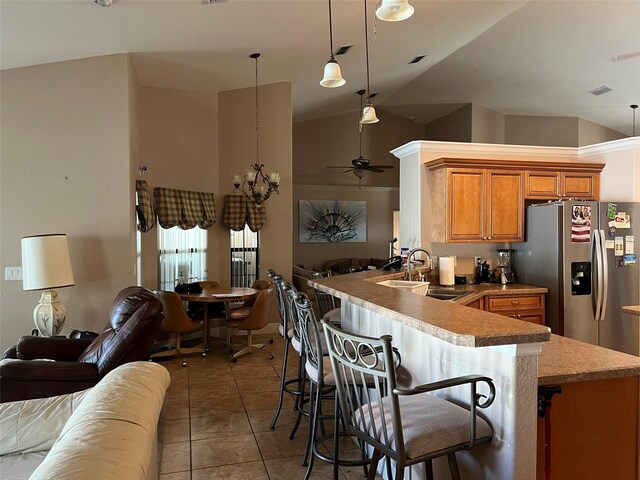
[(144, 207), (238, 211), (184, 209)]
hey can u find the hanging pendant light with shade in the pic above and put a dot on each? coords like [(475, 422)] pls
[(368, 112), (634, 108), (332, 74), (394, 10)]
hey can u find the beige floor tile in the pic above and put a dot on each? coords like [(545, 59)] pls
[(176, 476), (175, 458), (176, 431), (238, 471), (215, 426), (261, 419), (291, 468), (224, 451), (205, 394), (269, 384), (276, 444), (218, 406), (264, 401)]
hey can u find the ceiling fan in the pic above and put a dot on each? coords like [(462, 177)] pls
[(361, 165)]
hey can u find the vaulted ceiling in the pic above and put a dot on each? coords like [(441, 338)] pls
[(516, 57)]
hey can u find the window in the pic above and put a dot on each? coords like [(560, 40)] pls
[(182, 256), (244, 257)]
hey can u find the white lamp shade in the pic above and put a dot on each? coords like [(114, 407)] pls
[(369, 115), (332, 75), (45, 262), (394, 10)]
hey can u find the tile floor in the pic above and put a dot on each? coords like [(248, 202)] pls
[(218, 421)]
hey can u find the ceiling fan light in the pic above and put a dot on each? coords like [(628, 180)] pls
[(332, 75), (358, 173), (369, 115), (394, 10), (104, 3)]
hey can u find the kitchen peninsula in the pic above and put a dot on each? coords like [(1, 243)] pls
[(441, 339)]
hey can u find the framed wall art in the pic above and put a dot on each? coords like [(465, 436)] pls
[(332, 221)]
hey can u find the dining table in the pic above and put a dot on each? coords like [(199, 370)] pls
[(217, 294)]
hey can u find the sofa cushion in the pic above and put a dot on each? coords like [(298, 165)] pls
[(341, 267), (113, 432), (20, 466), (34, 425)]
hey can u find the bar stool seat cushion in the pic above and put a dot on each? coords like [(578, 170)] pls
[(281, 331), (333, 316), (429, 423)]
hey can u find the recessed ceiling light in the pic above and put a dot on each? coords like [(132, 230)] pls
[(210, 2), (600, 90), (104, 3), (417, 59), (343, 49)]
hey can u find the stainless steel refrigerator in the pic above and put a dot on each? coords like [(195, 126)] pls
[(584, 253)]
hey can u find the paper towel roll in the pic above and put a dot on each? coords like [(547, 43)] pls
[(447, 270)]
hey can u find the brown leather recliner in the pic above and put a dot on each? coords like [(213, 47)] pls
[(134, 321)]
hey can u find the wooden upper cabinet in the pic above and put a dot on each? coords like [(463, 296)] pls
[(561, 185), (485, 205), (480, 200), (465, 205), (505, 206)]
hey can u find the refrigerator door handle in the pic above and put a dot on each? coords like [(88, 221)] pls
[(596, 263), (605, 276)]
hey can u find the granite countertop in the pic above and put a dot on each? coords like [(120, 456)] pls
[(632, 310), (565, 360), (448, 321)]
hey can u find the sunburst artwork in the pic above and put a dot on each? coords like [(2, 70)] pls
[(332, 221)]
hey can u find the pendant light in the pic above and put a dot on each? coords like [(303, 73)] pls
[(332, 74), (394, 10), (368, 113), (634, 107)]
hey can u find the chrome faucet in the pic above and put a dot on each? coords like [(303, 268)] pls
[(411, 254)]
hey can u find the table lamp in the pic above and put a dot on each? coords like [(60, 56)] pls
[(46, 265)]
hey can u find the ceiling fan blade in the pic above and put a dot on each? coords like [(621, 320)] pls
[(351, 170), (381, 166), (375, 170)]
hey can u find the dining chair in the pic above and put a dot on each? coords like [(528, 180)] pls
[(257, 319), (409, 426), (178, 322), (243, 310), (214, 310)]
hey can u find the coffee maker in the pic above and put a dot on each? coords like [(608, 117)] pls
[(504, 269)]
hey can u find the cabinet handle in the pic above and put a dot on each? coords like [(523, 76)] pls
[(515, 302), (516, 315), (488, 238)]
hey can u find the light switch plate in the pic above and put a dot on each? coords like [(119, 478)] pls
[(13, 273)]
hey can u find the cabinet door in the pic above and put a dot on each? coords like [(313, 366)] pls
[(580, 185), (504, 218), (466, 194), (542, 185)]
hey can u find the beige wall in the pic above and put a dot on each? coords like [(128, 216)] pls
[(236, 149), (590, 133), (65, 168), (454, 127), (381, 201), (547, 131), (333, 141), (177, 140), (487, 126)]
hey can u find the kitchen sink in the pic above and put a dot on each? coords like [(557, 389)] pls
[(414, 287), (445, 293)]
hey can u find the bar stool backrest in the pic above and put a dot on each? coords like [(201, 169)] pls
[(358, 360), (309, 333)]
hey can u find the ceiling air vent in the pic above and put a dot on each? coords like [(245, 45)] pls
[(211, 2), (343, 49), (417, 59), (600, 90)]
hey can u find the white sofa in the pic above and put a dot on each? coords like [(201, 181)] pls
[(106, 432)]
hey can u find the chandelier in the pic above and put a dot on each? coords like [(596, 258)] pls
[(256, 184)]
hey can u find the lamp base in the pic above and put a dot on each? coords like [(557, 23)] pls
[(49, 314)]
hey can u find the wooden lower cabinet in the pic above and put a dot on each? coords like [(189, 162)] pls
[(529, 308), (594, 431), (476, 304)]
